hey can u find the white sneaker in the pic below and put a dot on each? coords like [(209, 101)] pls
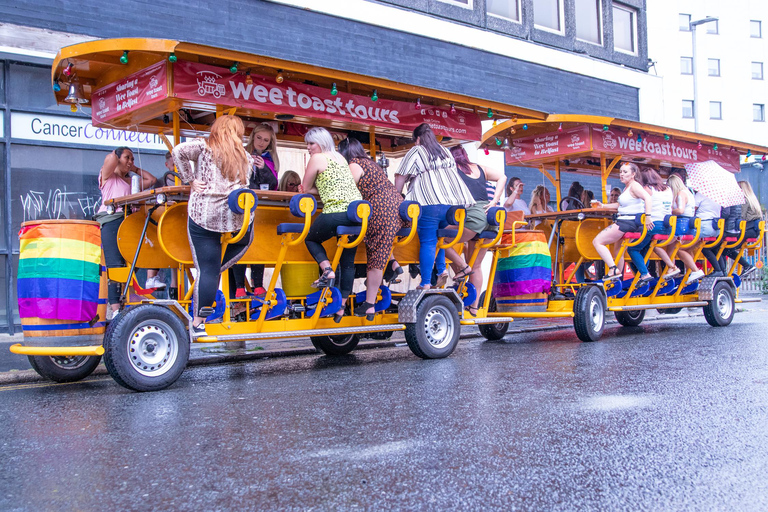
[(672, 273), (154, 282), (695, 276)]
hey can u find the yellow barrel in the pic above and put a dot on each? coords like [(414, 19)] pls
[(297, 278), (61, 283)]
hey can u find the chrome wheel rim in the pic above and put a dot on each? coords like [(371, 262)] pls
[(596, 314), (439, 327), (69, 362), (153, 348), (723, 304)]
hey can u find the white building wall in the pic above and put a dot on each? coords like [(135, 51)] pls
[(734, 88)]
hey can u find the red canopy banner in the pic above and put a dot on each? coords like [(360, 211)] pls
[(548, 145), (132, 92), (200, 82), (655, 147)]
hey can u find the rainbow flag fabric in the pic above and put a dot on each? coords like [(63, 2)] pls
[(58, 274), (526, 267)]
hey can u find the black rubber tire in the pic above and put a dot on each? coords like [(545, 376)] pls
[(380, 336), (669, 311), (719, 312), (335, 345), (64, 369), (437, 314), (630, 318), (129, 350), (492, 332), (589, 309)]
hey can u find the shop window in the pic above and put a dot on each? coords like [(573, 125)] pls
[(688, 109), (685, 22), (509, 9), (589, 26), (757, 71), (29, 88), (715, 110), (624, 29), (548, 15), (61, 183), (686, 65), (713, 67)]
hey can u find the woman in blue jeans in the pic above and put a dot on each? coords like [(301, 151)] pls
[(434, 182)]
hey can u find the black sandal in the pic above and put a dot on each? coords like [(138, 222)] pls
[(469, 309), (610, 276), (324, 281), (361, 310), (463, 274), (397, 273), (337, 316)]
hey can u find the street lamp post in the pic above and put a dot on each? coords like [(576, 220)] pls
[(695, 24)]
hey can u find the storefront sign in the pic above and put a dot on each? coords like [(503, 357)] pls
[(76, 130), (199, 82), (137, 90), (655, 147), (549, 145)]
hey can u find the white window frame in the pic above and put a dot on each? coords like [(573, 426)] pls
[(690, 61), (759, 29), (713, 27), (561, 9), (468, 5), (762, 71), (762, 112), (633, 12), (600, 31), (720, 105), (693, 113), (689, 22), (709, 61), (519, 13)]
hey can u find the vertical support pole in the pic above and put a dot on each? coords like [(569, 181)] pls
[(557, 184), (603, 178), (372, 142)]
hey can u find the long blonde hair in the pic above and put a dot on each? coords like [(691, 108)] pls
[(751, 197), (272, 148), (538, 199), (676, 184), (226, 144)]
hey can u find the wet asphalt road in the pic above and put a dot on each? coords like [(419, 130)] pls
[(671, 415)]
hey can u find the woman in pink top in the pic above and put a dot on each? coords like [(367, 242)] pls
[(115, 182)]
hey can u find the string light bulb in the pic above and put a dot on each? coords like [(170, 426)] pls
[(630, 133), (490, 113), (279, 78), (749, 153), (56, 86), (512, 131), (698, 146), (488, 152), (514, 119), (525, 126), (498, 141), (374, 96), (639, 138), (248, 79), (560, 128), (172, 58), (666, 136), (506, 144), (73, 108), (495, 123), (453, 108), (68, 70), (233, 67), (334, 90), (124, 57), (418, 103), (715, 146), (605, 127)]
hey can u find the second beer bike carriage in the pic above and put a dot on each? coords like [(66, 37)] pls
[(596, 145), (179, 88)]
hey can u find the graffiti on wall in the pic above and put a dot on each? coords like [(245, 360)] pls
[(58, 203)]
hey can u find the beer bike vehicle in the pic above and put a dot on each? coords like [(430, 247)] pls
[(171, 87), (596, 145)]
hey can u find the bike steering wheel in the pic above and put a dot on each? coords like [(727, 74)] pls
[(573, 200)]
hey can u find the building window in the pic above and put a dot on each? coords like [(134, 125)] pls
[(688, 109), (589, 21), (548, 15), (715, 110), (686, 65), (755, 28), (509, 9), (758, 112), (462, 3), (624, 29), (713, 27), (713, 67), (757, 71), (685, 22)]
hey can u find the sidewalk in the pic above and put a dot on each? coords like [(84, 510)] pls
[(219, 353)]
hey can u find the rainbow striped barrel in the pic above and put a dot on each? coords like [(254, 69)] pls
[(61, 289), (523, 273)]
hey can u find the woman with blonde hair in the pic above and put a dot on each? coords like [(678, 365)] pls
[(684, 207), (221, 167), (540, 200), (262, 146), (289, 182), (752, 214)]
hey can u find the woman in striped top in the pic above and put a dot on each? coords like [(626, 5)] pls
[(433, 181)]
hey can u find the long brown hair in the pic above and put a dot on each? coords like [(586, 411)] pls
[(271, 149), (651, 179), (226, 143)]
